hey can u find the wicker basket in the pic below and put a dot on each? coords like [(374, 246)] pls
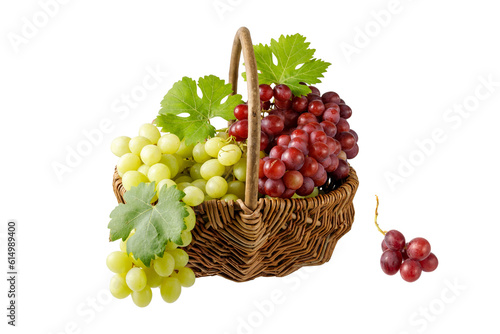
[(264, 237)]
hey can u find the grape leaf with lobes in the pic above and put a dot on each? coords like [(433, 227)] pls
[(290, 52), (154, 225), (183, 98)]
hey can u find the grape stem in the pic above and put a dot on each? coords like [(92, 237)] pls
[(376, 216)]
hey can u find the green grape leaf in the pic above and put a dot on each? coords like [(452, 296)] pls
[(154, 225), (291, 51), (183, 98)]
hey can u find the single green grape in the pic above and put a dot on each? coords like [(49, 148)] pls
[(119, 146), (201, 184), (169, 143), (133, 178), (199, 153), (143, 169), (136, 279), (171, 162), (150, 154), (158, 172), (194, 196), (181, 258), (229, 197), (240, 170), (212, 168), (127, 162), (237, 188), (213, 145), (185, 151), (186, 237), (164, 182), (118, 262), (136, 144), (183, 178), (150, 131), (229, 155), (216, 187), (191, 219), (164, 266), (142, 298), (170, 289), (186, 277), (118, 286), (194, 171), (154, 280)]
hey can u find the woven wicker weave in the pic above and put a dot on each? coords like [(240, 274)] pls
[(264, 237)]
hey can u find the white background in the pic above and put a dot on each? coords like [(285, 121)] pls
[(71, 73)]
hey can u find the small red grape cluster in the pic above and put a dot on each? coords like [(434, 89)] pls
[(410, 259), (307, 139)]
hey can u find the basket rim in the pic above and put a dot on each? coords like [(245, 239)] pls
[(350, 182)]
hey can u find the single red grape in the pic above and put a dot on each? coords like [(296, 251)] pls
[(317, 136), (299, 103), (353, 152), (293, 158), (347, 140), (329, 128), (318, 151), (390, 261), (330, 97), (345, 111), (305, 118), (306, 188), (418, 249), (272, 124), (313, 126), (316, 107), (266, 92), (241, 111), (342, 171), (395, 240), (342, 126), (293, 179), (282, 92), (410, 270), (274, 188), (332, 114), (274, 169), (430, 263), (310, 167)]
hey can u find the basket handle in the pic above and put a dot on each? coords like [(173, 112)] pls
[(243, 42)]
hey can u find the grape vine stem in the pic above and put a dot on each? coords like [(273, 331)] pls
[(376, 216)]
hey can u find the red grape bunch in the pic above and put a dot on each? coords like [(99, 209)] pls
[(410, 259), (307, 139)]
